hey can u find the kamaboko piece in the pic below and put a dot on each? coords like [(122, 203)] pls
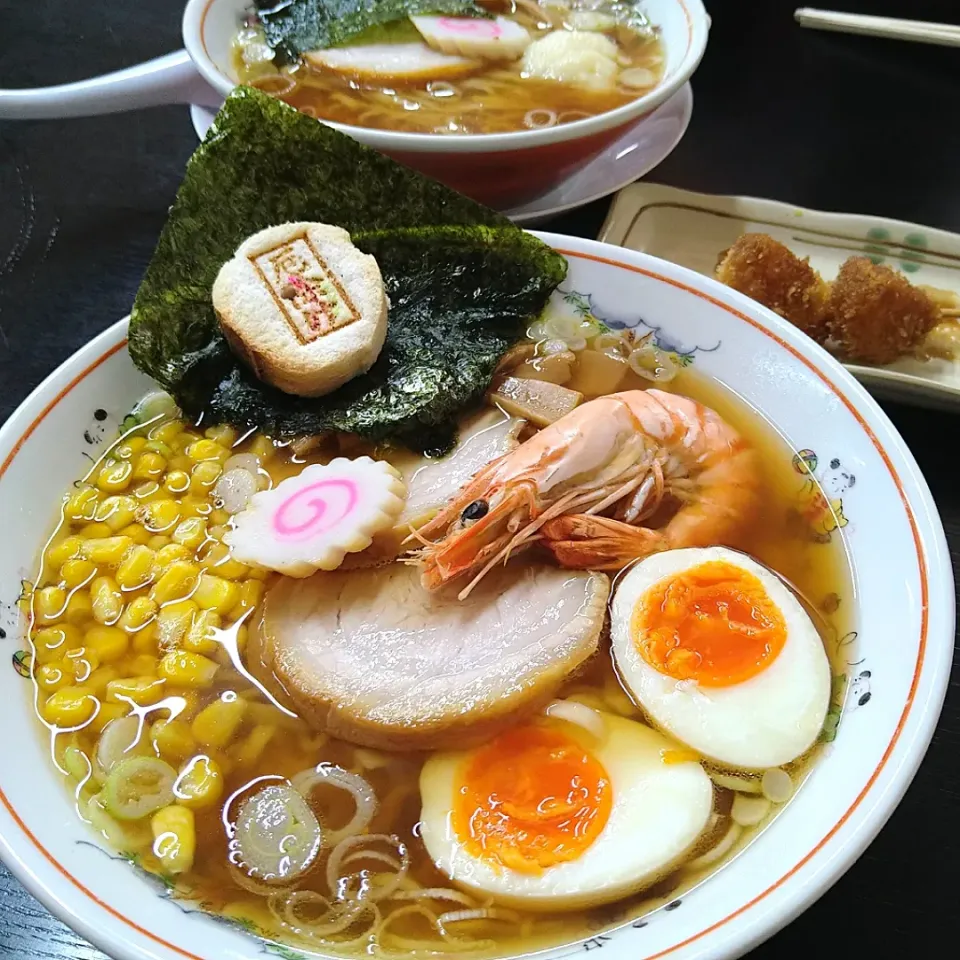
[(310, 522), (371, 657)]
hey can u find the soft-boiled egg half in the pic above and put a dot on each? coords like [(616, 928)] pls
[(720, 654), (552, 816)]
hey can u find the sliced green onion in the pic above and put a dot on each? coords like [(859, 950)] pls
[(277, 837), (137, 787)]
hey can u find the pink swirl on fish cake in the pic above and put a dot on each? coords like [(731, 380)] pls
[(471, 26), (309, 513)]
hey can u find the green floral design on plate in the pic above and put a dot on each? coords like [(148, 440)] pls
[(909, 261)]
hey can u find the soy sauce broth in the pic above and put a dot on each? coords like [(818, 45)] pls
[(91, 677)]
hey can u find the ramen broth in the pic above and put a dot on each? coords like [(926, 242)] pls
[(493, 97), (259, 741)]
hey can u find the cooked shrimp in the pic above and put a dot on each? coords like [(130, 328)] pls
[(583, 486), (770, 273), (876, 314)]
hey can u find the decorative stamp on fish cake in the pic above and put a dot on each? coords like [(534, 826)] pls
[(305, 290)]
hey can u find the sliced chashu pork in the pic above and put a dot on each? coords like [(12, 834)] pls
[(369, 656), (432, 481)]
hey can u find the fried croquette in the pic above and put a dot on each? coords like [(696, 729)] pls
[(875, 314), (770, 273)]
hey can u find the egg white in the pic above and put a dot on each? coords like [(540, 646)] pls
[(658, 813), (768, 720)]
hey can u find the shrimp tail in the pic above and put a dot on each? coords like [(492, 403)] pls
[(582, 542)]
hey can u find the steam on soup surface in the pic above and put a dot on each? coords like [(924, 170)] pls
[(555, 61), (183, 751)]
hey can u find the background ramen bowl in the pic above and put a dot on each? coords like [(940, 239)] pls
[(898, 662), (503, 169)]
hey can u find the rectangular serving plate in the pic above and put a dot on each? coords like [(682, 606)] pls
[(692, 229)]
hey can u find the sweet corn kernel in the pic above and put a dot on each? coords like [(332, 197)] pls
[(242, 633), (82, 505), (51, 677), (49, 603), (129, 448), (195, 507), (190, 532), (79, 608), (139, 612), (70, 707), (165, 431), (137, 569), (201, 450), (173, 739), (262, 448), (143, 691), (223, 434), (75, 573), (106, 600), (178, 581), (143, 665), (188, 669), (216, 594), (203, 477), (138, 534), (81, 663), (160, 515), (258, 573), (171, 553), (109, 551), (251, 593), (219, 518), (177, 481), (149, 466), (173, 622), (147, 640), (157, 542), (108, 643), (117, 511), (200, 783), (106, 713), (147, 491), (99, 679), (216, 558), (256, 741), (180, 462), (158, 446), (95, 531), (174, 838), (67, 549), (215, 725), (115, 475), (183, 440), (201, 634)]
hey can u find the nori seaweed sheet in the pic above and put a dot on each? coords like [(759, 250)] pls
[(464, 282), (293, 27)]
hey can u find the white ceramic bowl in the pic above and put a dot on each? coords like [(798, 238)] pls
[(501, 170), (899, 662)]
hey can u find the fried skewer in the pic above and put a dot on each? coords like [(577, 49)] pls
[(869, 314)]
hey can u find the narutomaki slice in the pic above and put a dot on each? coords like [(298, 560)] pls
[(311, 521), (369, 656)]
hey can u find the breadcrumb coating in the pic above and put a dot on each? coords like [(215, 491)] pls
[(875, 314), (770, 273)]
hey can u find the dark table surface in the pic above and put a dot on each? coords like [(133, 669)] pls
[(816, 119)]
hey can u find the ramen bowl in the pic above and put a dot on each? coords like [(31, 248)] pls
[(499, 169), (856, 486)]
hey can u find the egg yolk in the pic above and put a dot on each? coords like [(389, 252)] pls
[(713, 623), (530, 799)]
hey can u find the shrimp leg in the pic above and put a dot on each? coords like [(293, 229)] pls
[(580, 541)]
